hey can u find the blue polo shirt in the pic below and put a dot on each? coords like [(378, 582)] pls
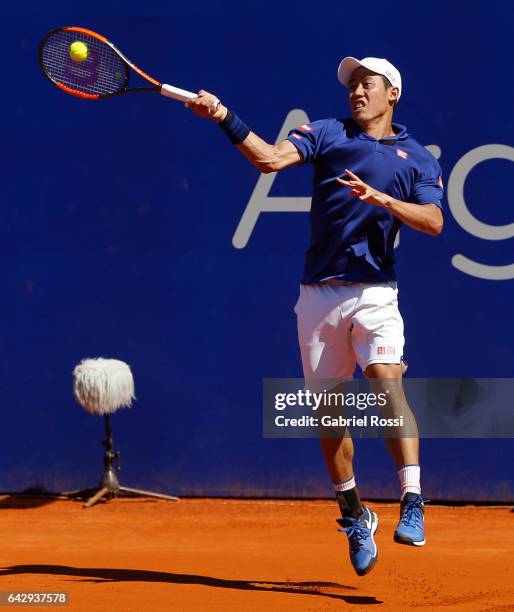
[(352, 239)]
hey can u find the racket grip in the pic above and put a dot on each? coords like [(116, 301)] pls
[(176, 93)]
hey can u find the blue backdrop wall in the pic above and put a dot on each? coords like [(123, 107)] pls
[(132, 229)]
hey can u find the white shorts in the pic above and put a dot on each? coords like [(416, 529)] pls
[(342, 325)]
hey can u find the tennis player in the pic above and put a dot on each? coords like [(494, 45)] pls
[(370, 177)]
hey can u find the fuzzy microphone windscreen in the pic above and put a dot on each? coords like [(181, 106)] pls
[(102, 386)]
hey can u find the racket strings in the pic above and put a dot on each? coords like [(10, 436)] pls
[(102, 72)]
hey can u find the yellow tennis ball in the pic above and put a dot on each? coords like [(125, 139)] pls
[(78, 51)]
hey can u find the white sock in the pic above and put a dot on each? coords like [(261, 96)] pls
[(344, 485), (409, 476)]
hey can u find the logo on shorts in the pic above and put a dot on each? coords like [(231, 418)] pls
[(385, 350), (402, 154)]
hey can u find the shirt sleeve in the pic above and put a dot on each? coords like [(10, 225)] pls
[(428, 188), (308, 139)]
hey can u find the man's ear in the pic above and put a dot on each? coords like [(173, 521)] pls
[(393, 95)]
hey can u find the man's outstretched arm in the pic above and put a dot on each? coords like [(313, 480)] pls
[(264, 156)]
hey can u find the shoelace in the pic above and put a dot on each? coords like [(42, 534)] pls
[(356, 534), (412, 513)]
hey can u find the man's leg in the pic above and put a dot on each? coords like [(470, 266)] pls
[(404, 451), (387, 376), (338, 455), (327, 355), (357, 521)]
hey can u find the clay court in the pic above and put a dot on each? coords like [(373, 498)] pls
[(141, 555)]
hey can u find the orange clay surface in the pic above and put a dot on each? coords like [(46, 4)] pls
[(145, 556)]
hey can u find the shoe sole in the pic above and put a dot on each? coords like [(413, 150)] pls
[(375, 558), (400, 540)]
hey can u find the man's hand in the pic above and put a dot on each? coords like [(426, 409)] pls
[(363, 191), (426, 218), (207, 105)]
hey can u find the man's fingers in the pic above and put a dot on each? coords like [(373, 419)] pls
[(357, 188), (204, 98), (346, 183), (351, 184), (208, 102), (206, 105), (215, 104)]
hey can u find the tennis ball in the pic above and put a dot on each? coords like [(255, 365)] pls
[(78, 51)]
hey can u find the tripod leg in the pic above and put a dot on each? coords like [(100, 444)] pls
[(92, 500), (148, 493)]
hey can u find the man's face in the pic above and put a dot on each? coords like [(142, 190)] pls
[(369, 98)]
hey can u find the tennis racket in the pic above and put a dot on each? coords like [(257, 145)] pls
[(85, 64)]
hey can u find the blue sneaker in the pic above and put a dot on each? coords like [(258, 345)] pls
[(411, 526), (360, 530)]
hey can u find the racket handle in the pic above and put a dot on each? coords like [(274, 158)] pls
[(176, 93)]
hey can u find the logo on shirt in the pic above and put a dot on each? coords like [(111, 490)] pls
[(385, 350), (297, 136), (402, 154), (305, 127), (440, 182)]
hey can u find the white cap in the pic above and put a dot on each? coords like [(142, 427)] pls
[(375, 64)]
